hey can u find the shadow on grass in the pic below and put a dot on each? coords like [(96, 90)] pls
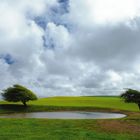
[(14, 108), (7, 108)]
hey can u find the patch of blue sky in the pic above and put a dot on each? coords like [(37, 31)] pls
[(64, 5), (54, 15), (7, 58), (41, 21), (49, 43)]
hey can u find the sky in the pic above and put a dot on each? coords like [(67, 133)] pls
[(70, 47)]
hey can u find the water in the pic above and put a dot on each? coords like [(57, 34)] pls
[(65, 115)]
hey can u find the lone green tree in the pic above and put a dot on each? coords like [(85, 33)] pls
[(18, 93), (131, 96)]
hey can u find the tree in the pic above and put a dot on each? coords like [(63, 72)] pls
[(18, 93), (131, 96)]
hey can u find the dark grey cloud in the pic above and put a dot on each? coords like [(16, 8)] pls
[(115, 47)]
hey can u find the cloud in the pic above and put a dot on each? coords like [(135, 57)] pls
[(110, 47), (57, 36), (100, 12), (73, 47)]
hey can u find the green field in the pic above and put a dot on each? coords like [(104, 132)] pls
[(99, 102), (74, 103), (43, 129)]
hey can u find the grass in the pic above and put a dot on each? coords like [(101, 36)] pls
[(98, 102), (67, 103), (112, 104), (43, 129)]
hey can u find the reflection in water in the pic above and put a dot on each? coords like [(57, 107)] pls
[(64, 115)]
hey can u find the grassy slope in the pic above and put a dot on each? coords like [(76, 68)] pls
[(100, 102), (41, 129), (38, 129), (71, 103)]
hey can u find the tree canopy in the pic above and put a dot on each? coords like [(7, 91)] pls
[(18, 93), (131, 96)]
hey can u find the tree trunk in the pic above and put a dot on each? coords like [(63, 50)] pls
[(24, 103), (139, 105)]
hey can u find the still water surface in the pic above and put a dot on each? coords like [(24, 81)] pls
[(65, 115)]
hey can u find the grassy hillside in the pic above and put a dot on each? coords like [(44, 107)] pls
[(74, 103), (106, 104), (100, 102)]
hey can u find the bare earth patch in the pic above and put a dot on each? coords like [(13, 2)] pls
[(119, 126)]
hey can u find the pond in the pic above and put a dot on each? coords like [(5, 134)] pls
[(65, 115)]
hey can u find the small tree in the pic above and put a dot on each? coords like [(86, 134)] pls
[(18, 93), (131, 96)]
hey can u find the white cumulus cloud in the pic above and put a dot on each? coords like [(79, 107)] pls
[(77, 48)]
